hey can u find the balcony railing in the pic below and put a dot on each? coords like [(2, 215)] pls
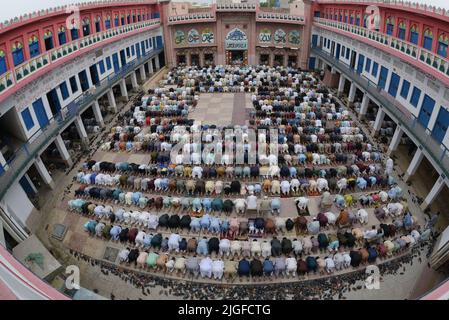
[(411, 50), (26, 154), (6, 81), (34, 65), (229, 6), (63, 9), (279, 16), (437, 151), (192, 17)]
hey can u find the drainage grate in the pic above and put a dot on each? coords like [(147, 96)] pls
[(59, 231), (110, 254)]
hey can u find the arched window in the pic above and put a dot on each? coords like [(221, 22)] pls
[(428, 39), (107, 22), (86, 27), (17, 53), (33, 45), (401, 30), (443, 42), (351, 19), (414, 34), (346, 17), (365, 21), (390, 26), (48, 38), (128, 19), (3, 65), (357, 21), (97, 24), (116, 21), (61, 36), (134, 17), (122, 19), (139, 17)]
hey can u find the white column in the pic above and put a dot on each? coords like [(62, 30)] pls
[(63, 150), (397, 136), (134, 80), (364, 106), (156, 60), (43, 172), (150, 67), (352, 92), (81, 130), (97, 114), (143, 75), (379, 120), (414, 164), (27, 177), (123, 89), (341, 83), (437, 187), (111, 100)]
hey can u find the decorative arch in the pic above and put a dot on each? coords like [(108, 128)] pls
[(17, 53), (33, 46), (265, 35), (294, 37), (193, 37), (107, 22), (33, 39), (48, 34), (390, 25), (428, 39), (180, 37), (280, 36), (3, 64), (207, 36), (402, 30), (443, 42), (236, 39), (414, 34)]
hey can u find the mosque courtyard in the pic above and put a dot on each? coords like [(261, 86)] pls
[(99, 258)]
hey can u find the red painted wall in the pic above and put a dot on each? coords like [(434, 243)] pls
[(22, 31), (422, 21)]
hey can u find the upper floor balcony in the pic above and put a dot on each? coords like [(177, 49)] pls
[(228, 5), (28, 71), (429, 62), (48, 13), (201, 17), (397, 4), (279, 18)]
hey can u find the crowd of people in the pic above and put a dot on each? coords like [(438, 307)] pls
[(321, 153)]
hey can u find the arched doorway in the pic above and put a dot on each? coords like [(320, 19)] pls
[(236, 46)]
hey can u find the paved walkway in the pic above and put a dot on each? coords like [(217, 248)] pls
[(239, 114)]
